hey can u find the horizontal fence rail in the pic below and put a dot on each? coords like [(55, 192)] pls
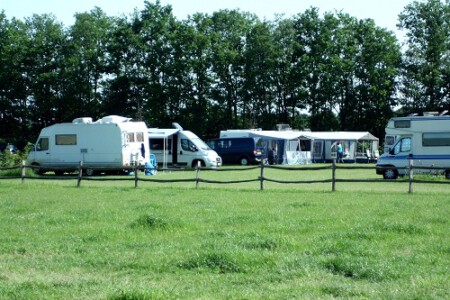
[(79, 177)]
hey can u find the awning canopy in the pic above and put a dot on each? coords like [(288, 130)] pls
[(278, 135), (314, 135), (341, 135), (157, 133)]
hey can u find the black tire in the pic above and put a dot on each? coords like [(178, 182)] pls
[(244, 161), (59, 173), (90, 172), (195, 163), (37, 170), (447, 174), (390, 174)]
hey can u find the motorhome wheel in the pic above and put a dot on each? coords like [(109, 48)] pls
[(244, 161), (447, 174), (390, 174), (90, 172), (195, 163), (36, 169)]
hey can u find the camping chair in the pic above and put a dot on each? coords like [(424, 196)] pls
[(376, 154), (151, 167), (369, 155)]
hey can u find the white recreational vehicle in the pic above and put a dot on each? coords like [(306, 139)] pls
[(424, 139), (178, 147), (111, 143)]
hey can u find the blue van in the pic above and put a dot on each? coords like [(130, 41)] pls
[(243, 151)]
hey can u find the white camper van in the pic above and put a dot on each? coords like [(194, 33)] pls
[(178, 147), (424, 139), (111, 143)]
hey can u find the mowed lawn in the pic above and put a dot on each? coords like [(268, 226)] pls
[(108, 240)]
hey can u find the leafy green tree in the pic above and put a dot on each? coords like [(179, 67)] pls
[(315, 60), (224, 70), (376, 63), (13, 81), (194, 64), (31, 74), (289, 83), (44, 61), (155, 29), (348, 70), (124, 89), (228, 32), (260, 103), (85, 63), (427, 58)]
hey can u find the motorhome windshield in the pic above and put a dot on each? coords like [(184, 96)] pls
[(200, 144), (403, 145)]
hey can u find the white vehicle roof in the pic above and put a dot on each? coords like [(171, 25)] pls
[(161, 133)]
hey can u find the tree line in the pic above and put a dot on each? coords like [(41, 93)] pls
[(224, 70)]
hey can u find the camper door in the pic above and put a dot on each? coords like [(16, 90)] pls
[(187, 150), (41, 152), (162, 149)]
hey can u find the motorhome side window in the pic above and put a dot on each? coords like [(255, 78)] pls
[(140, 137), (436, 139), (402, 124), (42, 144), (389, 140), (135, 137), (403, 145), (187, 145), (66, 139), (157, 144)]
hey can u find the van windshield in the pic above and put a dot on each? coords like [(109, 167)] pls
[(200, 144), (403, 145)]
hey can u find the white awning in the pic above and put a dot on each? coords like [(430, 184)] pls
[(341, 135), (279, 135), (157, 133)]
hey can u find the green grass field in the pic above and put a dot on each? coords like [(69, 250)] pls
[(108, 240)]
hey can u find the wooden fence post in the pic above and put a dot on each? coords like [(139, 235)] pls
[(411, 172), (333, 176), (136, 175), (80, 173), (197, 176), (262, 175), (23, 170)]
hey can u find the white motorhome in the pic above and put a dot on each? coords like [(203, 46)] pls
[(111, 143), (178, 147), (424, 139)]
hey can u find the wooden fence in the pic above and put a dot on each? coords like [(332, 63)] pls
[(199, 170)]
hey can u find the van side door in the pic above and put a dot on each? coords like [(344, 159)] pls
[(41, 151), (401, 152), (402, 147)]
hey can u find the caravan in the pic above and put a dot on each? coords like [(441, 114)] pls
[(109, 144), (178, 147), (424, 139)]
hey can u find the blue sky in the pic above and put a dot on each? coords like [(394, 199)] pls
[(384, 12)]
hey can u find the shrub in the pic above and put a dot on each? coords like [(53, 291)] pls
[(10, 160)]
